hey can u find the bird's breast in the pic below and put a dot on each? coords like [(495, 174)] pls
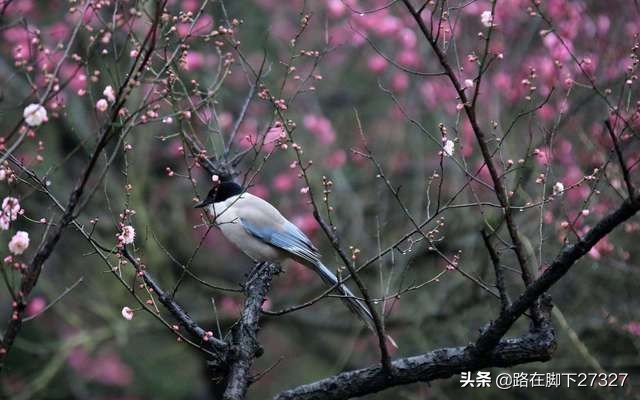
[(226, 218)]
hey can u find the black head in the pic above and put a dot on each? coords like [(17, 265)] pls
[(220, 192)]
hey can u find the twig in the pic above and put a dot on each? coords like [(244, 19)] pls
[(214, 344), (495, 260), (623, 165), (56, 300), (469, 107)]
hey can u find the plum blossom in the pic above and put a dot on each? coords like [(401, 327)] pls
[(486, 18), (35, 114), (558, 188), (10, 211), (36, 306), (19, 242), (633, 328), (105, 367), (448, 147), (11, 208), (109, 94), (127, 235), (127, 313), (102, 105)]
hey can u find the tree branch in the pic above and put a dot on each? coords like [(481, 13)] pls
[(436, 364), (109, 130), (558, 268), (623, 165), (495, 260), (488, 351), (470, 110), (245, 346), (215, 345)]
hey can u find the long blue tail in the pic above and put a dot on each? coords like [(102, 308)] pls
[(355, 305)]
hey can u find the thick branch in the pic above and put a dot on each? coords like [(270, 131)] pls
[(495, 260), (558, 268), (245, 346), (488, 351), (437, 364), (216, 346)]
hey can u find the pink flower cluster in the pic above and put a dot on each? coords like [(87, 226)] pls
[(10, 211)]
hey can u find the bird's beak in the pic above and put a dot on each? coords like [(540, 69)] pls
[(203, 203)]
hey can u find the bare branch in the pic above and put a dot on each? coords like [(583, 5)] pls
[(245, 346), (623, 165)]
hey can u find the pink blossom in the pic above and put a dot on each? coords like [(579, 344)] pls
[(284, 182), (408, 58), (377, 63), (106, 367), (127, 235), (408, 38), (306, 222), (190, 5), (58, 31), (19, 242), (336, 8), (194, 61), (259, 190), (386, 25), (603, 247), (400, 81), (229, 306), (11, 208), (225, 119), (4, 222), (321, 127), (336, 159), (102, 105), (633, 327), (266, 304), (203, 25), (36, 306)]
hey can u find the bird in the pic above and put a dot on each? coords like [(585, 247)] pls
[(261, 232)]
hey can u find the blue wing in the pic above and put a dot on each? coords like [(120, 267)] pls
[(286, 237)]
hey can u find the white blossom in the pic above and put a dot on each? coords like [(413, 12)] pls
[(128, 234), (486, 18), (127, 313), (109, 94), (448, 147), (35, 115), (4, 222), (558, 188)]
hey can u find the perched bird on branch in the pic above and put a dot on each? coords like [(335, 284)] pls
[(260, 231)]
